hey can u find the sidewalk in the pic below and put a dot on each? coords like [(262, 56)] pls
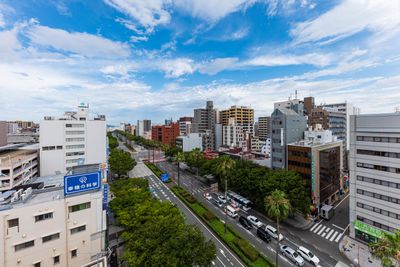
[(355, 251)]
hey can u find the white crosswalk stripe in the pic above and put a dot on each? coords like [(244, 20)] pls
[(320, 231), (333, 236), (314, 226), (329, 234), (317, 228), (338, 238)]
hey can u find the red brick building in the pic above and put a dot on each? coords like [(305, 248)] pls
[(166, 134)]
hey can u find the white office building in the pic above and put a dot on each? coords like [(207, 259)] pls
[(71, 140), (190, 142), (233, 136), (41, 227), (374, 175)]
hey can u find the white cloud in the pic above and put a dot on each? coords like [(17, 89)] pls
[(115, 70), (148, 13), (285, 60), (219, 64), (136, 39), (84, 44), (348, 18), (174, 68)]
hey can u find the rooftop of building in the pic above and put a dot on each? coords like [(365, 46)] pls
[(313, 143), (12, 154), (42, 189)]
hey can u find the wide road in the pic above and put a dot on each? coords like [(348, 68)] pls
[(322, 239), (224, 258)]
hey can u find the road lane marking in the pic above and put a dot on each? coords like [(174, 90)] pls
[(320, 231), (333, 237), (338, 227), (317, 228), (329, 234), (341, 201), (338, 238), (221, 261)]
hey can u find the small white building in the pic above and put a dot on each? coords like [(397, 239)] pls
[(39, 226), (71, 140), (319, 135), (266, 147), (189, 142)]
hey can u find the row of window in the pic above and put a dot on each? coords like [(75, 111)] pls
[(378, 139), (379, 211), (376, 224), (45, 148), (378, 196), (74, 132), (56, 260), (378, 182), (76, 153), (299, 164), (379, 153), (378, 167), (75, 125), (74, 146), (77, 139)]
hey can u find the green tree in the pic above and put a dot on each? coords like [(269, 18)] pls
[(277, 207), (180, 157), (224, 169), (112, 141), (387, 249), (195, 159), (120, 162)]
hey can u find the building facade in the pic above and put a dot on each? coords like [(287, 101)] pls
[(233, 136), (243, 116), (71, 140), (287, 126), (185, 125), (3, 133), (18, 165), (189, 142), (165, 134), (374, 175), (264, 128), (296, 105), (40, 227), (204, 121)]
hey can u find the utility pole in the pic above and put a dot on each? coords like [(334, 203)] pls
[(226, 203)]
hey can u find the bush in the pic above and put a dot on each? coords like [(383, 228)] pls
[(190, 199), (246, 248), (209, 216)]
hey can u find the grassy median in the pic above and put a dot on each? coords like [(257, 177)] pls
[(246, 252)]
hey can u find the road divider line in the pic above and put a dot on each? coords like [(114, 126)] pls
[(338, 227), (221, 261)]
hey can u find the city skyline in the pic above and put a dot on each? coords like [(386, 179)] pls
[(157, 59)]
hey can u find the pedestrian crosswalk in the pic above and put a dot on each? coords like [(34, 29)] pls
[(326, 232)]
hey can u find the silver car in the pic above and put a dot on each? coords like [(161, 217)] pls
[(292, 255)]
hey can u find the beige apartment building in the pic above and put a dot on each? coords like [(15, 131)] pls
[(243, 116), (39, 226), (18, 165)]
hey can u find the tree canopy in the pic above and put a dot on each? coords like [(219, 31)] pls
[(387, 249), (112, 141), (120, 162), (155, 232)]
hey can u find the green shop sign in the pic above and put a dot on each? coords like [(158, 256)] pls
[(368, 229)]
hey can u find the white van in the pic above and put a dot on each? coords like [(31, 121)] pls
[(273, 232), (231, 211)]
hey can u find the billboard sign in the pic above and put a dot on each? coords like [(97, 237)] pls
[(164, 177), (78, 183)]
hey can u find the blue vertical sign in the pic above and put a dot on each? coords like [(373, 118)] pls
[(105, 196), (164, 177), (78, 183)]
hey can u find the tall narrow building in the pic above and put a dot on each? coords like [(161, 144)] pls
[(204, 121), (374, 175), (264, 128)]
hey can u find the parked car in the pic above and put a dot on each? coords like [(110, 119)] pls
[(208, 196), (292, 255), (308, 256), (231, 211), (261, 233), (273, 232), (254, 221), (245, 223), (222, 199)]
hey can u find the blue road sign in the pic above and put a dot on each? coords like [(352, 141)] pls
[(81, 182), (105, 196), (164, 177)]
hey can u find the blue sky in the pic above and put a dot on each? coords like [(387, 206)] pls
[(134, 59)]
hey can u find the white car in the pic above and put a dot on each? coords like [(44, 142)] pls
[(308, 256), (292, 255), (254, 221), (273, 232), (208, 196), (222, 199)]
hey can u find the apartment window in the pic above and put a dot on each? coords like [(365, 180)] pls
[(74, 146), (75, 125), (37, 264), (43, 217), (24, 245), (74, 253), (45, 148), (77, 153), (59, 147), (78, 139), (378, 167), (68, 161), (56, 260), (50, 237), (378, 139), (74, 132), (378, 153), (79, 207), (13, 223), (78, 229)]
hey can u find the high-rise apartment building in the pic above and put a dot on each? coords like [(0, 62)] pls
[(185, 125), (243, 116), (233, 135), (71, 140), (40, 226), (204, 121), (374, 175), (264, 128), (287, 126), (296, 105), (166, 134)]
